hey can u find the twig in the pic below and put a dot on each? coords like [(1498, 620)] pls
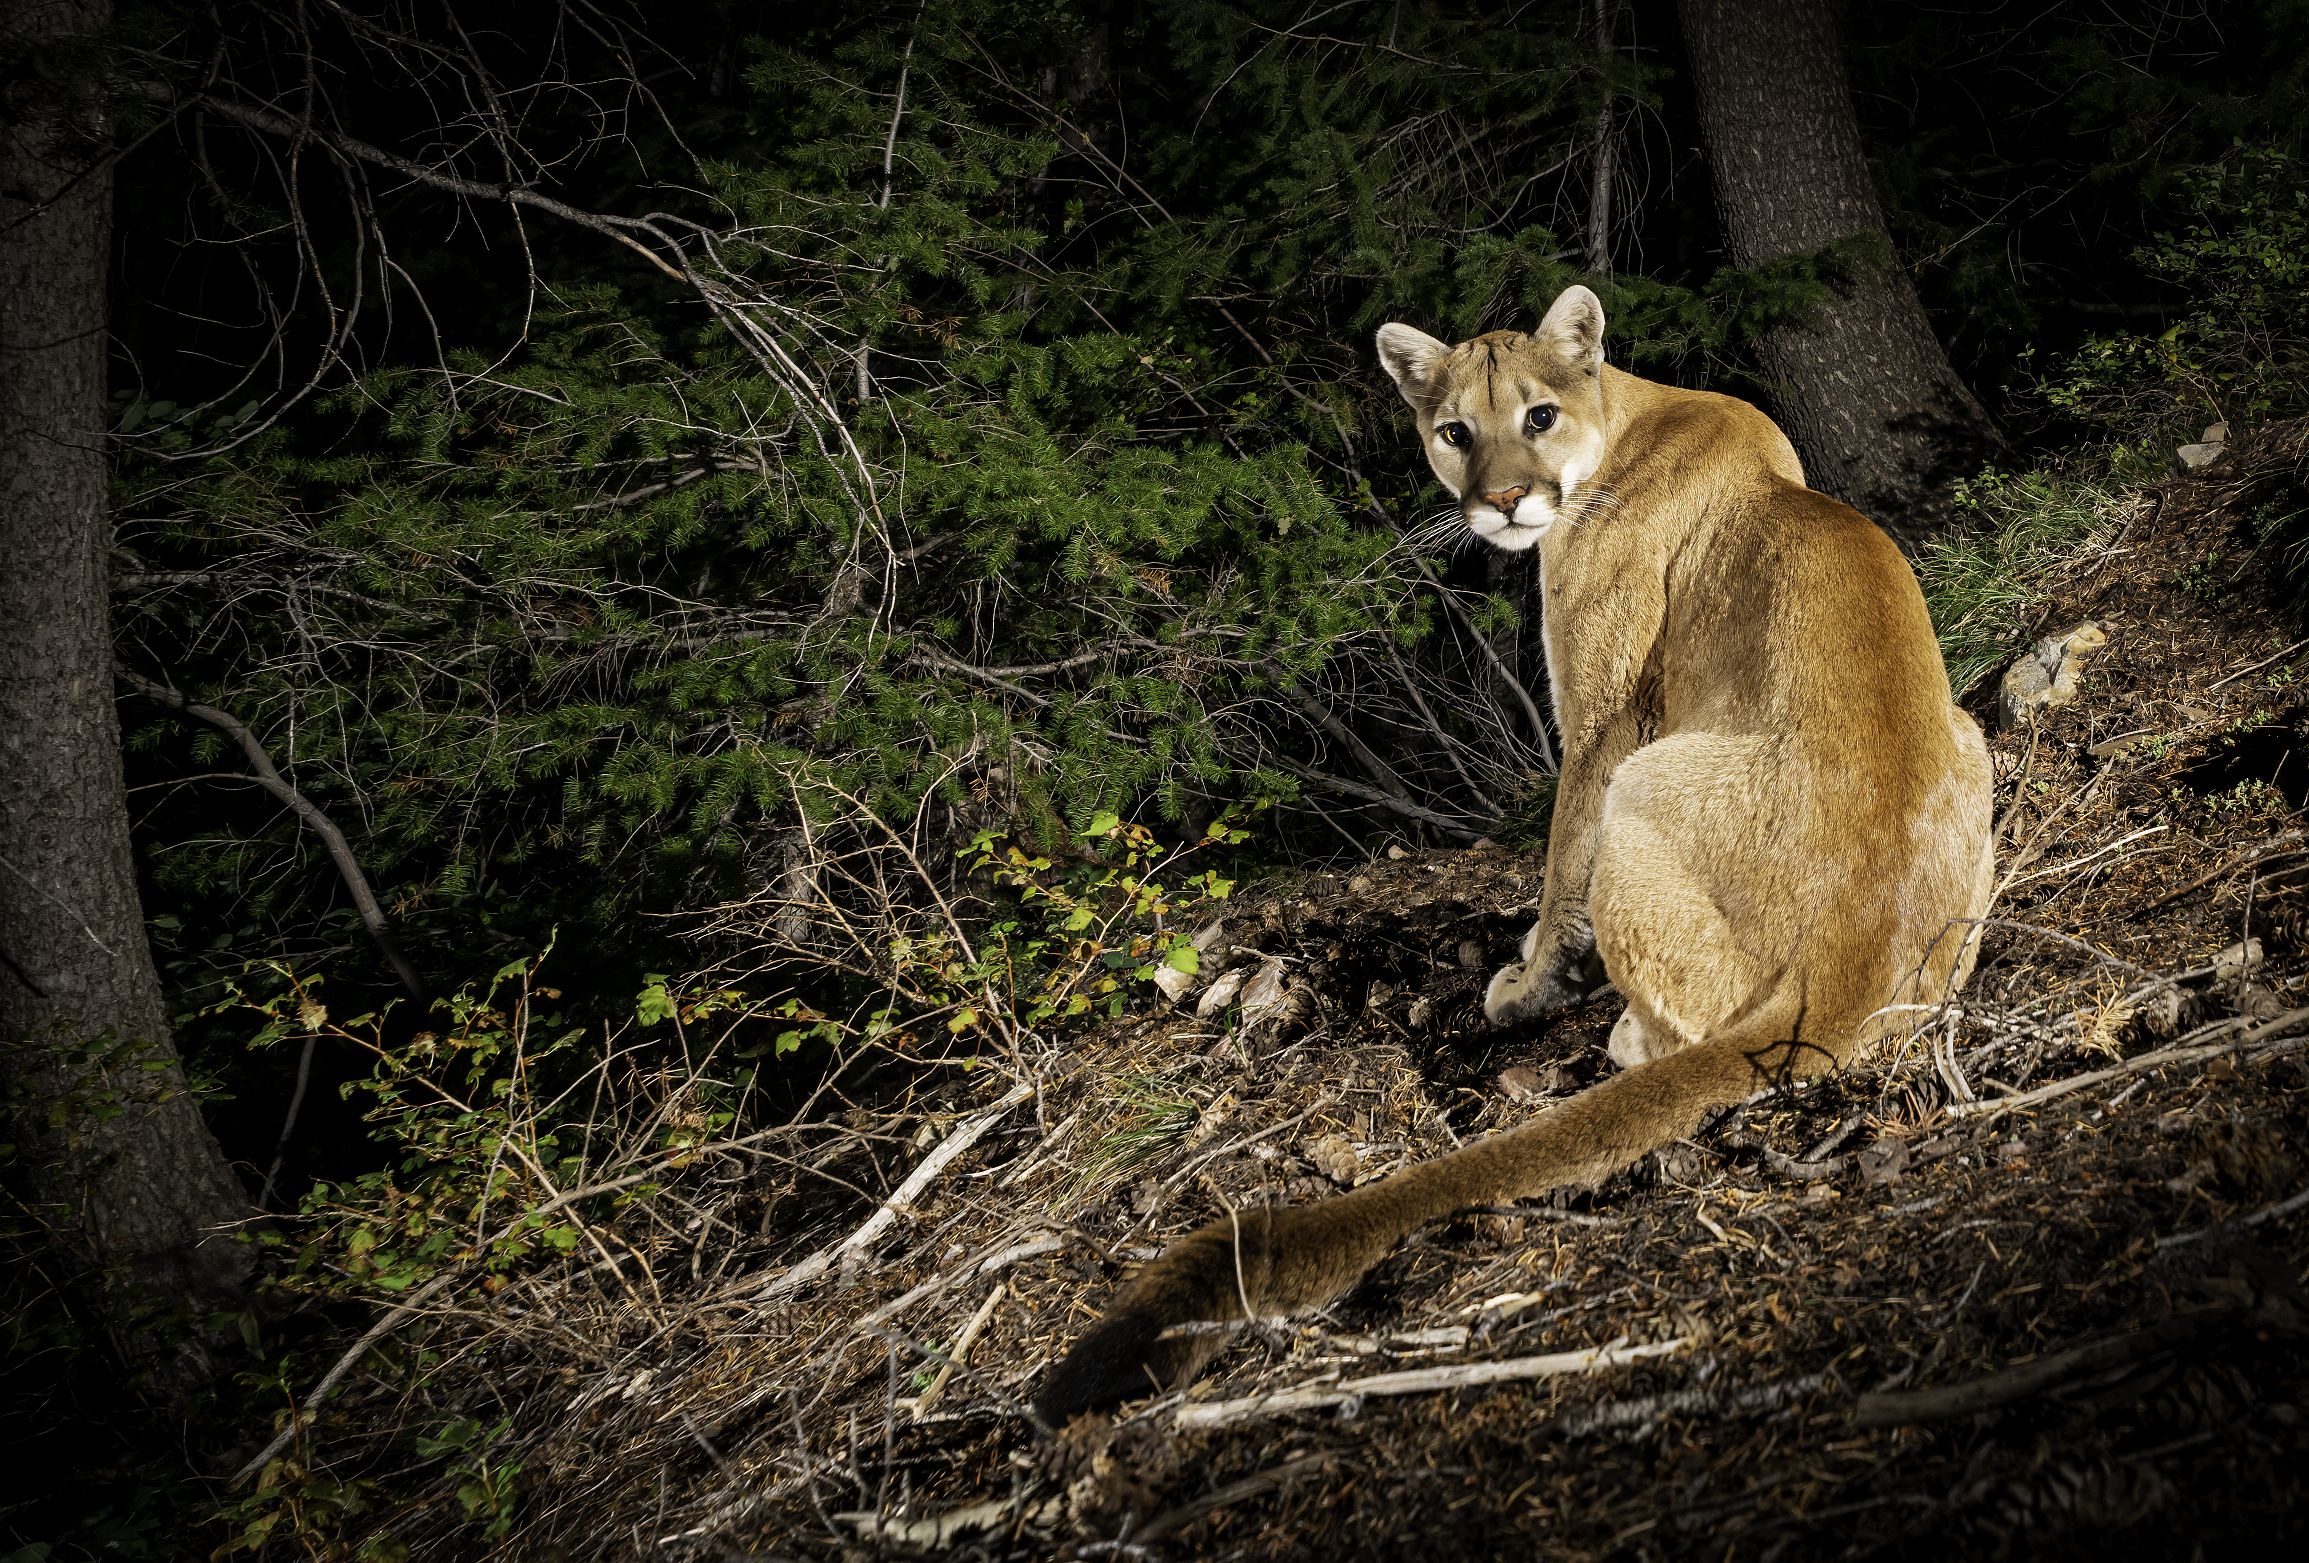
[(2283, 1207), (1444, 822), (959, 1352), (2260, 854), (1889, 1408), (2075, 863), (289, 1121), (1415, 1381), (269, 777), (1615, 1415), (1000, 1259), (941, 1531), (1458, 610), (386, 1322), (965, 1135), (1325, 718), (1178, 1179), (1254, 1486), (2146, 1062), (2256, 667)]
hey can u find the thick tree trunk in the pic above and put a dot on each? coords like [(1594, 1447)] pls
[(1866, 393), (110, 1146)]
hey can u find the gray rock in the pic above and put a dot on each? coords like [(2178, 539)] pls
[(2196, 458), (2045, 676)]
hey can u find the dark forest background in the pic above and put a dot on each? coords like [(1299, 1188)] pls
[(645, 509)]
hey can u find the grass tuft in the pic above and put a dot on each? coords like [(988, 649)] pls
[(1160, 1117), (1986, 581)]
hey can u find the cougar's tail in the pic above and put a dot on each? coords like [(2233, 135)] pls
[(1176, 1313)]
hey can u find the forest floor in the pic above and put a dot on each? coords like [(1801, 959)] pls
[(2032, 1283)]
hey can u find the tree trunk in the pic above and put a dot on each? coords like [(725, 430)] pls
[(1865, 392), (110, 1147)]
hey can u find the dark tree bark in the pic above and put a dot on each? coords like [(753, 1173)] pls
[(110, 1144), (1865, 392)]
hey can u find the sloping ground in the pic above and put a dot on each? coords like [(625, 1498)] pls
[(2032, 1285)]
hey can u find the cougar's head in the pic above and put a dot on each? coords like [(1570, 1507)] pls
[(1512, 423)]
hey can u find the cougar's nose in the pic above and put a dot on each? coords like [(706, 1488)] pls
[(1503, 500)]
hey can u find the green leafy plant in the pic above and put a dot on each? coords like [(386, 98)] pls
[(1985, 581), (2236, 352)]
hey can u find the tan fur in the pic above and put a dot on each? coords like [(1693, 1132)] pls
[(1772, 827)]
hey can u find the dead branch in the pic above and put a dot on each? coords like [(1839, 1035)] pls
[(1618, 1415), (958, 1354), (269, 777), (1450, 824), (2248, 1033), (1890, 1408), (386, 1323), (1254, 1486), (965, 1135), (1415, 1381), (2283, 1207)]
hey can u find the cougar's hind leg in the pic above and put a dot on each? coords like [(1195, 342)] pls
[(1635, 1040), (1682, 817)]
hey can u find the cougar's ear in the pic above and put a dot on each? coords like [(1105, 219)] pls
[(1411, 357), (1574, 328)]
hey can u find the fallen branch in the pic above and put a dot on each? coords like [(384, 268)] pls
[(2283, 1207), (376, 1332), (941, 1531), (2255, 667), (965, 1135), (269, 777), (1000, 1259), (2272, 848), (1254, 1486), (2146, 1062), (1617, 1415), (1890, 1408), (1499, 668), (959, 1353), (1415, 1381)]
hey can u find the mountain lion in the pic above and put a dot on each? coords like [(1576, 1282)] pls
[(1771, 831)]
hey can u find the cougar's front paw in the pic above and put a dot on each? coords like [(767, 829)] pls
[(1542, 982)]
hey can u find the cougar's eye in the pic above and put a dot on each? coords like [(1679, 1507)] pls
[(1540, 419), (1454, 435)]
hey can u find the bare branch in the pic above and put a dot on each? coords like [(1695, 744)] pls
[(268, 776)]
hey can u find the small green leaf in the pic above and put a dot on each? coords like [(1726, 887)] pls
[(655, 1003)]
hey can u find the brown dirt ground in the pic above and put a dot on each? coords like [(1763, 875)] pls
[(1855, 1236)]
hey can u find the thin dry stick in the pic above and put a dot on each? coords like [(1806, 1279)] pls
[(965, 1135), (1617, 1415), (288, 1122), (2160, 1059), (269, 777), (2267, 851), (2283, 1207), (386, 1322), (2256, 667), (1000, 1259), (959, 1352), (1255, 1486), (1888, 1408), (1416, 1381)]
